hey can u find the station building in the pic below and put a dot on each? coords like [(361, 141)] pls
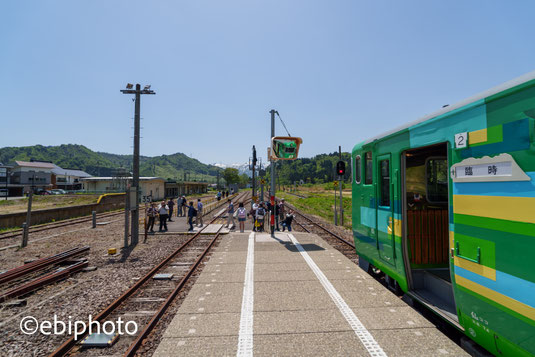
[(22, 176), (179, 188), (150, 186), (68, 179), (19, 178)]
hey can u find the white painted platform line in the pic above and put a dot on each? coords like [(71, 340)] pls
[(245, 340), (362, 333)]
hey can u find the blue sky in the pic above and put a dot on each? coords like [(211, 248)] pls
[(337, 71)]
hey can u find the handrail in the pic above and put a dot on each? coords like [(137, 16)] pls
[(478, 258)]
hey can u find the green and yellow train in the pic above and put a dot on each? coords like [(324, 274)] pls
[(445, 207)]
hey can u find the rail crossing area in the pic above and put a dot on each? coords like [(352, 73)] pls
[(211, 292)]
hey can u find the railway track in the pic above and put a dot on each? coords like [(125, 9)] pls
[(211, 205), (36, 265), (322, 228), (29, 277), (63, 223), (151, 295), (71, 221)]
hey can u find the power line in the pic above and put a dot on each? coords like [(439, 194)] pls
[(284, 125)]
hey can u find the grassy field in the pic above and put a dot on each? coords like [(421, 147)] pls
[(319, 203), (44, 202), (324, 188)]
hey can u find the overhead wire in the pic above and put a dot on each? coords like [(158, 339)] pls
[(284, 125)]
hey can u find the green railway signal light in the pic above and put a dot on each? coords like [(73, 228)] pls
[(341, 168), (285, 147)]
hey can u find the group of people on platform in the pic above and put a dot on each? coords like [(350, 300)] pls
[(223, 194), (258, 213), (164, 211), (283, 216)]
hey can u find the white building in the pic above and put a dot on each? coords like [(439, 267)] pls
[(26, 175), (68, 179)]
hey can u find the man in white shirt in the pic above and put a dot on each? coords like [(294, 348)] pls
[(163, 211)]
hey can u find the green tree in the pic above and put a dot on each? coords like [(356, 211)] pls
[(231, 175), (244, 180)]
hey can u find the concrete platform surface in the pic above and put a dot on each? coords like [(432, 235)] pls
[(294, 295)]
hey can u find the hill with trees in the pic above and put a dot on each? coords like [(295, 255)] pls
[(318, 169), (175, 166)]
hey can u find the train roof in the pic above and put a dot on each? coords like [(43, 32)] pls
[(500, 88)]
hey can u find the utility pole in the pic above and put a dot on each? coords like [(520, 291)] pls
[(26, 227), (262, 182), (126, 217), (340, 178), (135, 180), (335, 209), (272, 220)]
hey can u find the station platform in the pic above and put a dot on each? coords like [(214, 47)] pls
[(294, 295), (179, 225)]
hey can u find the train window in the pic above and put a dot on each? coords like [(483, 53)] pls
[(385, 183), (368, 174), (357, 169), (436, 173)]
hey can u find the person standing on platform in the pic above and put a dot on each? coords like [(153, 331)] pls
[(198, 220), (260, 214), (218, 195), (152, 212), (171, 205), (282, 210), (163, 211), (288, 221), (242, 216), (191, 213), (254, 207), (184, 206), (230, 212), (179, 206), (269, 209)]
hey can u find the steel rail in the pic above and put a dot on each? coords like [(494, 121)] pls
[(65, 222), (70, 343), (43, 280), (62, 223), (37, 265), (325, 229), (163, 308)]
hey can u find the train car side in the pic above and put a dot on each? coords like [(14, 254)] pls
[(445, 207)]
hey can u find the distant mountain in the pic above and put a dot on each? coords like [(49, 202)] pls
[(175, 166), (242, 168)]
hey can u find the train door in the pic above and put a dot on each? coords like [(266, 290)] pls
[(426, 235), (385, 209)]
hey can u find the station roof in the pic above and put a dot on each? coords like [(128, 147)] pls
[(177, 183), (69, 172), (109, 178), (36, 164)]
